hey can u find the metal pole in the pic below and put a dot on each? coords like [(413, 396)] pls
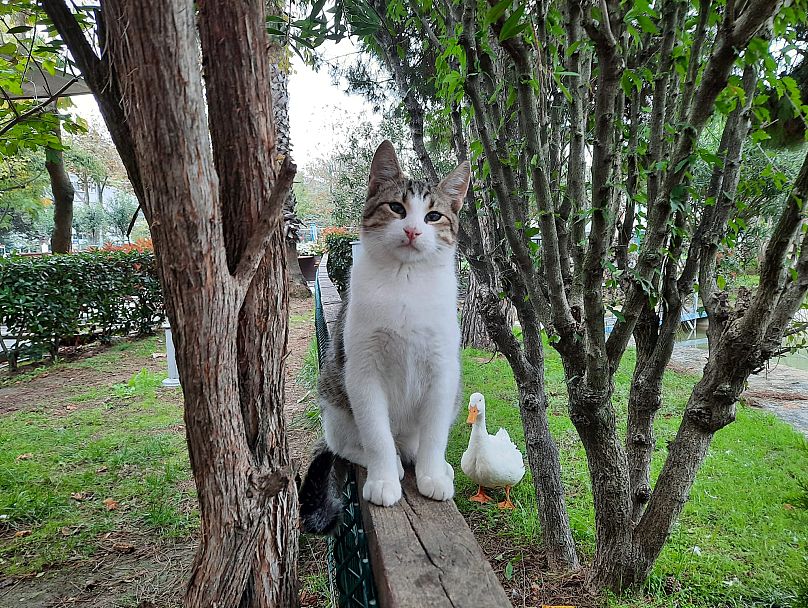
[(173, 380)]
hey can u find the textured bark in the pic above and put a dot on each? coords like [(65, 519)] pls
[(542, 451), (63, 194), (279, 85), (215, 216), (473, 332)]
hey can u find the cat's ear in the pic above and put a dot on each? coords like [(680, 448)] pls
[(384, 168), (455, 185)]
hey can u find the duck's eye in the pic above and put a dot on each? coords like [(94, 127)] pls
[(432, 216), (398, 208)]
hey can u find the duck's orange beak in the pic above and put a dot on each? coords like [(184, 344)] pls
[(473, 411)]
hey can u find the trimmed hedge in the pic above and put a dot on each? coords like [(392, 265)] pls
[(52, 300), (340, 257)]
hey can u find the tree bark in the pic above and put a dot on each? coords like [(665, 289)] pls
[(473, 333), (63, 194), (542, 451), (215, 216)]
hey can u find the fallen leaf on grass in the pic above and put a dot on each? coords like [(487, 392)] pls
[(111, 504), (27, 456), (123, 547), (21, 533)]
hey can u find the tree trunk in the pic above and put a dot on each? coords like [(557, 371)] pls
[(644, 400), (594, 418), (63, 193), (215, 218), (279, 85), (298, 286), (543, 457), (473, 333)]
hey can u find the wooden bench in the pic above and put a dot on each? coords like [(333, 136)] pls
[(422, 552)]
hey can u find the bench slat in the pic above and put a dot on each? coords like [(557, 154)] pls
[(424, 554)]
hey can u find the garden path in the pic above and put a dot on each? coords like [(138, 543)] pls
[(780, 389)]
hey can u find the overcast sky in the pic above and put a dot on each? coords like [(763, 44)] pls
[(315, 104)]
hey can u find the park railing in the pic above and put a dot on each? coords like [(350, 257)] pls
[(417, 554)]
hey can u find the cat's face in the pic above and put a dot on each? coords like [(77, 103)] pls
[(407, 219)]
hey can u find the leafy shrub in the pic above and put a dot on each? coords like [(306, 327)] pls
[(52, 300), (340, 257)]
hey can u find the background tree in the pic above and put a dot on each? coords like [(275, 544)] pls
[(23, 188), (119, 214), (32, 116)]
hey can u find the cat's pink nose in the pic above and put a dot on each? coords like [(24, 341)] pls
[(412, 233)]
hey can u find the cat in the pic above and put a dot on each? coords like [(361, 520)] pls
[(389, 385)]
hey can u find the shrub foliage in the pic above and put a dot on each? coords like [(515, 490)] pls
[(340, 257), (53, 300)]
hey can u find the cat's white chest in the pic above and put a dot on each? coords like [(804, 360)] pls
[(404, 325)]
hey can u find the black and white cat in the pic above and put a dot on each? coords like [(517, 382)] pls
[(388, 389)]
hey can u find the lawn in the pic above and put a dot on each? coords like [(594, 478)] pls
[(92, 468), (108, 460), (740, 541)]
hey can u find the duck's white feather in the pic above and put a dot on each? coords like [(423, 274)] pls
[(493, 461)]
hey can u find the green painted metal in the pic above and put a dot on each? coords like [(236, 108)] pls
[(349, 572)]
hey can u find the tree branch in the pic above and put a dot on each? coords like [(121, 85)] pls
[(268, 221), (35, 110)]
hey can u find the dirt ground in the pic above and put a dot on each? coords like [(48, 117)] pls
[(152, 574), (779, 389)]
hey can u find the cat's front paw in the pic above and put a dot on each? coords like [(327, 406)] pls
[(438, 485), (382, 492)]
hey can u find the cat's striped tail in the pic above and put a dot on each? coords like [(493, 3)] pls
[(321, 493)]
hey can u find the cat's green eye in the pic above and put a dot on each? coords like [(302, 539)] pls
[(432, 216), (398, 208)]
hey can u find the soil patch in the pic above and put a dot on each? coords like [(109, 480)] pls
[(523, 572), (150, 575), (58, 385)]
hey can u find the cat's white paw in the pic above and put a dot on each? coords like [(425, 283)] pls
[(400, 468), (382, 492), (438, 486)]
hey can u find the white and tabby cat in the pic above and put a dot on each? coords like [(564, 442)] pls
[(389, 386)]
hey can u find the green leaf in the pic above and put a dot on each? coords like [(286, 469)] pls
[(496, 11), (509, 571), (646, 24), (513, 26)]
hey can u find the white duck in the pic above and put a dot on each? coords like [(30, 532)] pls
[(491, 461)]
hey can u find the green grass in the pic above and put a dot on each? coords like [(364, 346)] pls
[(738, 541), (752, 545), (128, 450), (106, 361), (298, 320)]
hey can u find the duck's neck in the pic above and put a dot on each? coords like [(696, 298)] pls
[(478, 429)]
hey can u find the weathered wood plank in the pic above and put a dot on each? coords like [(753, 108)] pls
[(424, 554)]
